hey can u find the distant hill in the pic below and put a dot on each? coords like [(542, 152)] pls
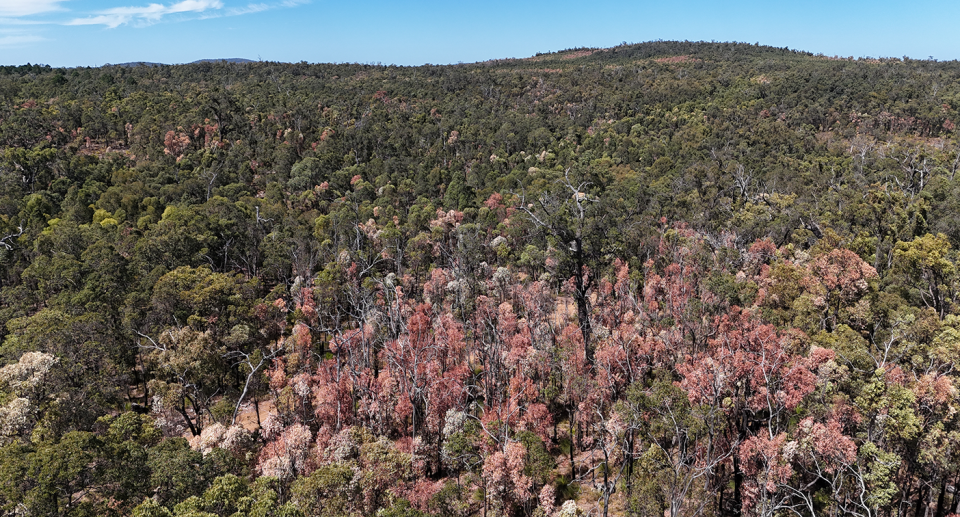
[(136, 63), (228, 60), (146, 63)]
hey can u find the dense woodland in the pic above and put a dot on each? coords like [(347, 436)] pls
[(668, 279)]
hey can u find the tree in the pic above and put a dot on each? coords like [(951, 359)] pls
[(33, 165), (687, 442), (327, 491), (193, 309), (838, 279), (573, 218), (25, 395), (928, 266)]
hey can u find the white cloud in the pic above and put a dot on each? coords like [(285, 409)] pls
[(15, 8), (257, 8), (145, 15), (249, 9), (18, 40)]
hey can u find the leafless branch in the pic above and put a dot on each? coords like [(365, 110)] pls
[(11, 237)]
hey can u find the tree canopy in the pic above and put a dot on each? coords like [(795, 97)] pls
[(671, 278)]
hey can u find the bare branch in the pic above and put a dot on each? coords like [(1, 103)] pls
[(11, 237)]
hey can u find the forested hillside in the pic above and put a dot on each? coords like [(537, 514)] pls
[(669, 279)]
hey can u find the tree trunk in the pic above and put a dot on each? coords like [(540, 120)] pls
[(183, 412), (583, 302), (737, 482), (573, 467), (941, 498), (606, 482), (720, 500), (143, 377), (629, 481), (906, 497), (413, 419), (256, 406), (956, 495)]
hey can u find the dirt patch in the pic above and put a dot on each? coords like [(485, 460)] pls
[(569, 54), (579, 53), (248, 413), (100, 148), (565, 312)]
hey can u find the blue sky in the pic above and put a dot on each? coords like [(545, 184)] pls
[(95, 32)]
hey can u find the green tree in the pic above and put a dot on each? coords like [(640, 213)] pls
[(928, 268)]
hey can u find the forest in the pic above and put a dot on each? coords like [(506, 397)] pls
[(667, 278)]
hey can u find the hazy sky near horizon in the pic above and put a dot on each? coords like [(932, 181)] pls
[(96, 32)]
